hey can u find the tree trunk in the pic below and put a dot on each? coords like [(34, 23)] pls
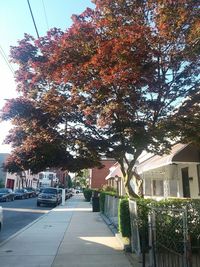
[(139, 184)]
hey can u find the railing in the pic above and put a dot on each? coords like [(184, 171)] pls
[(111, 209)]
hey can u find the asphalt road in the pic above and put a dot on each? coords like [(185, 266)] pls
[(19, 213)]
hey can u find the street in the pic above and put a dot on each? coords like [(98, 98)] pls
[(19, 213)]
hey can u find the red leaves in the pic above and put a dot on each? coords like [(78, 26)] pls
[(110, 79)]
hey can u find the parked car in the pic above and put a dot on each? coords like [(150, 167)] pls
[(49, 196), (6, 194), (37, 191), (71, 192), (21, 193), (68, 193), (1, 218), (31, 192), (78, 190)]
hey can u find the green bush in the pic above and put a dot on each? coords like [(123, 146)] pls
[(192, 207), (107, 188), (87, 192), (102, 198), (124, 218)]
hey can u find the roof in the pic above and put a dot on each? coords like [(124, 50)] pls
[(157, 161), (179, 153), (114, 171)]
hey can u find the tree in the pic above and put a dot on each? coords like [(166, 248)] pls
[(69, 181), (109, 85), (82, 177)]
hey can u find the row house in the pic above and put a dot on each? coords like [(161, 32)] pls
[(21, 180), (176, 174)]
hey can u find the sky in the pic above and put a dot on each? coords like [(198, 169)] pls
[(15, 20)]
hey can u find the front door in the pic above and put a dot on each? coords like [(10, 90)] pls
[(186, 183), (10, 183)]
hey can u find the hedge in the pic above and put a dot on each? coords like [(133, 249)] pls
[(87, 192), (102, 198), (192, 207), (124, 218)]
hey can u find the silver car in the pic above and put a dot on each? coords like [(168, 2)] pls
[(1, 217), (49, 196)]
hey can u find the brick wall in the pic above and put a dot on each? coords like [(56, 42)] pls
[(98, 176)]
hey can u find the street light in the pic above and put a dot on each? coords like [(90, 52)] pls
[(117, 182)]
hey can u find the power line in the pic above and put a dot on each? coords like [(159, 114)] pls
[(45, 14), (33, 19), (3, 54)]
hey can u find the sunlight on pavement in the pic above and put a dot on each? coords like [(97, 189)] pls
[(26, 210), (106, 241), (72, 209)]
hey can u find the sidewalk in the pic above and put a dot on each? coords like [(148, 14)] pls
[(68, 236)]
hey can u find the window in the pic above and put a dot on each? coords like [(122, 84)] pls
[(50, 176), (41, 176), (158, 189), (173, 188), (147, 186)]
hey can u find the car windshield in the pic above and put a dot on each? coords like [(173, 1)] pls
[(3, 190), (49, 191)]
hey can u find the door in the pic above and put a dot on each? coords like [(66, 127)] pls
[(185, 182), (10, 183)]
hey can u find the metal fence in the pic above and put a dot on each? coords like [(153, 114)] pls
[(135, 237), (168, 238), (163, 240), (111, 209)]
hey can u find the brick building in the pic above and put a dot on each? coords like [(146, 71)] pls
[(97, 176)]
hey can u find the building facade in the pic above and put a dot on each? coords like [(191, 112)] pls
[(21, 180), (3, 157), (97, 176)]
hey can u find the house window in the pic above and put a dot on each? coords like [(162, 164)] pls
[(41, 176), (158, 189), (173, 188), (147, 187), (50, 176)]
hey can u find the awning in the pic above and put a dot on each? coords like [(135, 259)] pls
[(114, 171), (156, 161)]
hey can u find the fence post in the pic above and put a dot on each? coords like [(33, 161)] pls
[(152, 239), (187, 245), (143, 245), (135, 239)]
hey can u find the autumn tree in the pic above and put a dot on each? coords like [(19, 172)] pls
[(113, 85)]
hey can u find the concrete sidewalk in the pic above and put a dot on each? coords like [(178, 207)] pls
[(70, 236)]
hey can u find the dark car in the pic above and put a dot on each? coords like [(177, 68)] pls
[(6, 194), (31, 192), (21, 193), (37, 191), (68, 193), (49, 196)]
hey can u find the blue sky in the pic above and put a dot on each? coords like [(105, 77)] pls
[(15, 20)]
